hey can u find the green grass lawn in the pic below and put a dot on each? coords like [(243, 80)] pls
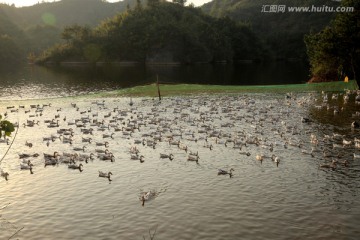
[(188, 89)]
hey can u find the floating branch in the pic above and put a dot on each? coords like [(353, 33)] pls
[(158, 86), (16, 233)]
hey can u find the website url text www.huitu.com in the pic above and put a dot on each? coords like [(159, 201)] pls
[(312, 9)]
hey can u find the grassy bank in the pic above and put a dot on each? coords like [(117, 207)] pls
[(187, 89)]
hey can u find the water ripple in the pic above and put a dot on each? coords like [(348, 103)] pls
[(296, 200)]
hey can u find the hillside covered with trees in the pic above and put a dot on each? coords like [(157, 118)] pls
[(35, 28), (11, 40), (64, 12), (282, 32), (158, 32)]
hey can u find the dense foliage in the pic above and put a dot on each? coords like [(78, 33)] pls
[(335, 51), (6, 127), (9, 51), (10, 35), (282, 32), (30, 30), (158, 32)]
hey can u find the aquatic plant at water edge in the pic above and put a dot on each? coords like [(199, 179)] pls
[(6, 127)]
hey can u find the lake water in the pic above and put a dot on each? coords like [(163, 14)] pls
[(34, 82), (295, 200)]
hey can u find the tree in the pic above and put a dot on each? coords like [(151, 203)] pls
[(163, 32), (41, 37), (9, 51), (181, 2), (347, 29), (323, 56), (334, 52), (76, 33), (138, 5), (153, 2)]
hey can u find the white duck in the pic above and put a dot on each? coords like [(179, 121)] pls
[(137, 157), (107, 157), (193, 158), (276, 160), (75, 166), (47, 155), (106, 144), (171, 156), (108, 135), (79, 149), (260, 157), (7, 141), (146, 196), (26, 165), (26, 155), (105, 175), (224, 172), (87, 156)]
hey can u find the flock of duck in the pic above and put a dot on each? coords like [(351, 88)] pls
[(84, 132)]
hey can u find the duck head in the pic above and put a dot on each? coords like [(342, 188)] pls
[(230, 172), (109, 176)]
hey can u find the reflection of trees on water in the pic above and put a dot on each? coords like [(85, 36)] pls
[(77, 78)]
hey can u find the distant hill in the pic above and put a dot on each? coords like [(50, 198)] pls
[(65, 12), (283, 33), (38, 27), (7, 26), (160, 32), (12, 39), (35, 28)]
